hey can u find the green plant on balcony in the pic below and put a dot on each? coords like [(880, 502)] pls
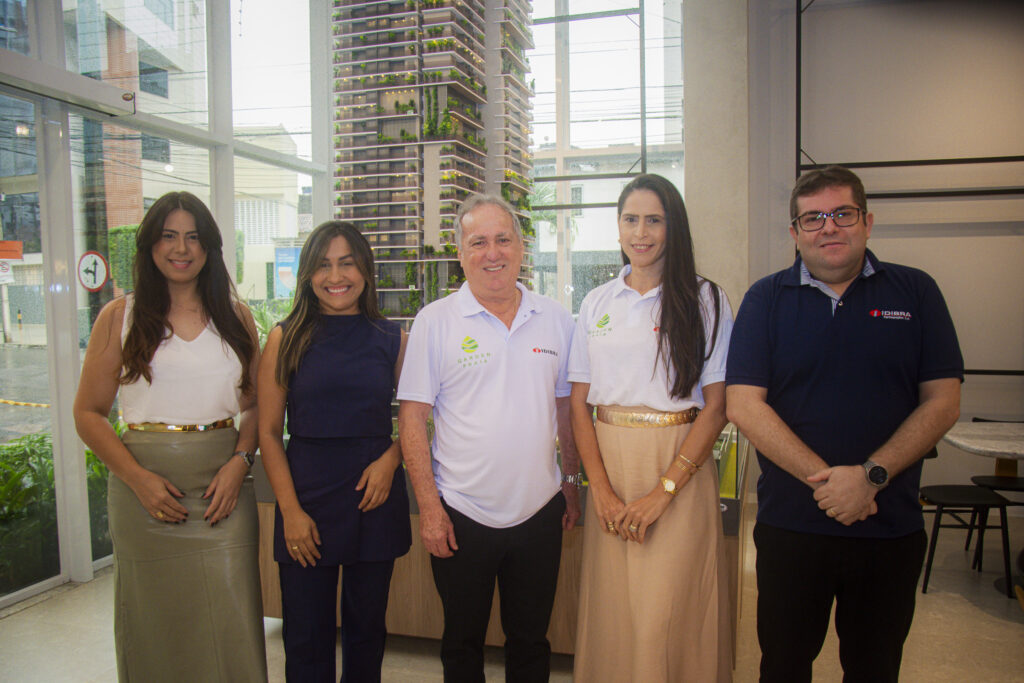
[(415, 302), (386, 281), (384, 253), (454, 280), (450, 250)]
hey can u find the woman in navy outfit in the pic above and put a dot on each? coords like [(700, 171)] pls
[(332, 365)]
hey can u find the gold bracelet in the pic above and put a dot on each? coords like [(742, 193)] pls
[(684, 468), (692, 464)]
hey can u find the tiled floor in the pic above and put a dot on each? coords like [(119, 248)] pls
[(964, 630)]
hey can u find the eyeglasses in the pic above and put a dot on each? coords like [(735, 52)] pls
[(843, 217)]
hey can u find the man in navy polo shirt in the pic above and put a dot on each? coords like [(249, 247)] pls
[(843, 372)]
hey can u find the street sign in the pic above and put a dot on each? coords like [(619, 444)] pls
[(93, 271)]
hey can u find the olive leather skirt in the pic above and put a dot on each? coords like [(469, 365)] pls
[(187, 603)]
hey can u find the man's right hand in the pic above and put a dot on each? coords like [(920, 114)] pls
[(437, 532)]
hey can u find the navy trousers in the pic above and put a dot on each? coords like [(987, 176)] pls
[(309, 600), (873, 582), (524, 560)]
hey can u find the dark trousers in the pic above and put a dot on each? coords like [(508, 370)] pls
[(524, 561), (309, 599), (873, 582)]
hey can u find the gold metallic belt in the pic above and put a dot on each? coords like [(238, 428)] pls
[(162, 427), (645, 418)]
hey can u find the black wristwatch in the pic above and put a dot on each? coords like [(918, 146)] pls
[(877, 475)]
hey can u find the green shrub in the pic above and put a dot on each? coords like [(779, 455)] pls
[(28, 511)]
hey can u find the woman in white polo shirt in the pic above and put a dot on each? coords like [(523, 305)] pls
[(649, 351)]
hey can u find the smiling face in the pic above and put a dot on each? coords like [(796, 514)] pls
[(833, 255), (178, 253), (337, 282), (491, 252), (642, 230)]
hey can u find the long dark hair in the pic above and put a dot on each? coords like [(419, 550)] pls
[(681, 344), (149, 324), (304, 319)]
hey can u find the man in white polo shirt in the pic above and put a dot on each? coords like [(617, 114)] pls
[(489, 363)]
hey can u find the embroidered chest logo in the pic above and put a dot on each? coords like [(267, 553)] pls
[(474, 357), (600, 327), (537, 349), (890, 315)]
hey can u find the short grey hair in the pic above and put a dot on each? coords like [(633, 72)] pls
[(479, 200)]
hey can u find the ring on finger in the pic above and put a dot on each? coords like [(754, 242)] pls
[(634, 528), (611, 527), (159, 514), (831, 512)]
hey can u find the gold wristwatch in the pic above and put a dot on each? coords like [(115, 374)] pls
[(669, 486)]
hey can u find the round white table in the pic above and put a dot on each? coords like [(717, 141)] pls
[(1003, 441)]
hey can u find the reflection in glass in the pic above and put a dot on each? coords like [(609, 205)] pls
[(154, 48)]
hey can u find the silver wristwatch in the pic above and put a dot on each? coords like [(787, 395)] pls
[(876, 475), (248, 456), (574, 479)]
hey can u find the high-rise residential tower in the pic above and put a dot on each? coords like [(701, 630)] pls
[(431, 103)]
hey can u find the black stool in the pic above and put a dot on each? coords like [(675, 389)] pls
[(1000, 484), (956, 498)]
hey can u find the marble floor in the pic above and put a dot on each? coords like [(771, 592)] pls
[(964, 630)]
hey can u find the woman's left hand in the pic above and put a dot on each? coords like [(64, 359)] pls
[(223, 489), (634, 519), (375, 483)]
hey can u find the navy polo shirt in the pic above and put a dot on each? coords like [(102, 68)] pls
[(843, 381)]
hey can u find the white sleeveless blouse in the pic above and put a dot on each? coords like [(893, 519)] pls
[(194, 382)]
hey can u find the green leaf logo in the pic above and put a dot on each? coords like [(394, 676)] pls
[(469, 345), (603, 321)]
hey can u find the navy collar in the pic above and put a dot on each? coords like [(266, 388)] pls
[(792, 278)]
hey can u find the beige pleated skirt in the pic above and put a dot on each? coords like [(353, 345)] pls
[(187, 603), (658, 611)]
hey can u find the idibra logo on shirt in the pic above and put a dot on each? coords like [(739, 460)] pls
[(890, 315), (474, 356), (603, 322), (537, 349)]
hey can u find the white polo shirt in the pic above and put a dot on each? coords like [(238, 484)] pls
[(615, 348), (493, 391)]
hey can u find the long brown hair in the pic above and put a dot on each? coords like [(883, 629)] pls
[(302, 323), (681, 344), (149, 324)]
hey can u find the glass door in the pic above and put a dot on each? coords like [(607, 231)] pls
[(29, 550)]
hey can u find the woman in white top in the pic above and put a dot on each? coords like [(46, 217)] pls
[(649, 351), (182, 350)]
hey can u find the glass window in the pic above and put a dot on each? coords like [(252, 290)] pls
[(14, 26), (29, 550), (156, 48), (115, 182), (588, 123), (273, 217), (270, 84)]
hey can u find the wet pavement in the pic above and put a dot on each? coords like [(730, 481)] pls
[(23, 378)]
